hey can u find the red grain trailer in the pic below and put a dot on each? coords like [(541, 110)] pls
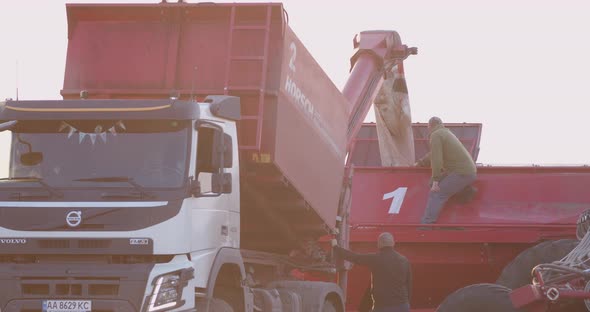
[(514, 209)]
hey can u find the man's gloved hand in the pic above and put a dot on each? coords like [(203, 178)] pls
[(435, 187)]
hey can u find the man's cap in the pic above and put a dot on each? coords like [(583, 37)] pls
[(434, 121), (385, 240)]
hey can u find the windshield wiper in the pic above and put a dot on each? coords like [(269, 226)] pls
[(141, 189), (47, 187)]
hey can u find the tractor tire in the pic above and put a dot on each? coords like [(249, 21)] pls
[(478, 298), (518, 272)]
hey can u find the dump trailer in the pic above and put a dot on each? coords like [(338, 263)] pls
[(195, 159), (480, 247)]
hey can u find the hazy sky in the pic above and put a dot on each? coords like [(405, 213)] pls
[(519, 67)]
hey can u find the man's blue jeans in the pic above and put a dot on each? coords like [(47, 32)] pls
[(449, 186)]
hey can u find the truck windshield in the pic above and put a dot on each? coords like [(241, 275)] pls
[(151, 152)]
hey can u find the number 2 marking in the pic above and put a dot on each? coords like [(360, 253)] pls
[(293, 49), (398, 198)]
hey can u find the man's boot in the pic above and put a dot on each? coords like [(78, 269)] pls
[(466, 195)]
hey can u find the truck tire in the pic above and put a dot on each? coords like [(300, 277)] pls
[(518, 272), (478, 298), (329, 306), (218, 305), (215, 305)]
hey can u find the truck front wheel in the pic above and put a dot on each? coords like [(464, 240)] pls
[(215, 305), (329, 306)]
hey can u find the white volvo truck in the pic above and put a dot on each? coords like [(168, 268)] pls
[(194, 164)]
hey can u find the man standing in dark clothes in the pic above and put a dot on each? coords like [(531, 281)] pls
[(391, 275)]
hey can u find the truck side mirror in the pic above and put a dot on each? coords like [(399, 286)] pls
[(221, 183), (222, 149)]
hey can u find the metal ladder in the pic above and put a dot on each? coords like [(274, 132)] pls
[(252, 93)]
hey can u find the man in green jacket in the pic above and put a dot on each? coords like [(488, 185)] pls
[(453, 168)]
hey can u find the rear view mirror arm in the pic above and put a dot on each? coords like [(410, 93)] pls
[(21, 141), (7, 125)]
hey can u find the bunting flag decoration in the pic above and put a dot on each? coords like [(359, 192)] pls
[(71, 132), (62, 126), (81, 137), (99, 132)]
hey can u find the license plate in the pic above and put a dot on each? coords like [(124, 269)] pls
[(67, 305)]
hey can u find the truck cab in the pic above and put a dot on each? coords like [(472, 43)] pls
[(117, 196)]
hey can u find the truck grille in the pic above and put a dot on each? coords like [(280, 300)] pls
[(74, 243), (111, 286), (77, 246), (70, 288), (54, 243)]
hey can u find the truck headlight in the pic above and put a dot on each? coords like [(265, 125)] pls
[(168, 288)]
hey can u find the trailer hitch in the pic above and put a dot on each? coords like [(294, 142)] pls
[(552, 294)]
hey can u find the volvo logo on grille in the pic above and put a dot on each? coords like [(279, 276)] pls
[(74, 218), (13, 240)]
